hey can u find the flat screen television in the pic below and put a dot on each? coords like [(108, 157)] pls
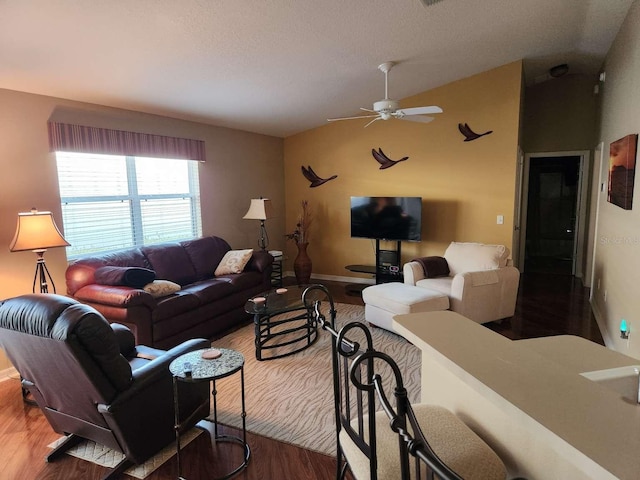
[(387, 218)]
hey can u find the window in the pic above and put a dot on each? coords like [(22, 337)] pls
[(111, 202)]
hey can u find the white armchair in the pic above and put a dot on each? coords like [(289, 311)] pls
[(478, 279)]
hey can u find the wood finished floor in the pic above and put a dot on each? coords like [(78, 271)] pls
[(547, 305)]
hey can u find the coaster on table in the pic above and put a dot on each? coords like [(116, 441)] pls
[(211, 354), (281, 290)]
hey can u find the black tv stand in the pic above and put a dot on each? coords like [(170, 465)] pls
[(387, 269), (388, 264)]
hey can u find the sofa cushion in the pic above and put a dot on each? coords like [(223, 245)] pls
[(134, 277), (246, 280), (161, 288), (174, 305), (81, 272), (472, 257), (233, 261), (210, 290), (170, 262), (205, 254)]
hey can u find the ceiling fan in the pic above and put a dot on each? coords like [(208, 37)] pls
[(387, 108)]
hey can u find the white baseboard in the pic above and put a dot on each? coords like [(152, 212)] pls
[(602, 325)]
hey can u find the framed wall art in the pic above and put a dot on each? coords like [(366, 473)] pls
[(622, 171)]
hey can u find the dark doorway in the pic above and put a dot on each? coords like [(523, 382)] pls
[(551, 215)]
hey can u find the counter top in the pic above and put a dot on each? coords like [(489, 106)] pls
[(541, 379)]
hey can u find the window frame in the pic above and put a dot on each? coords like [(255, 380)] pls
[(135, 200)]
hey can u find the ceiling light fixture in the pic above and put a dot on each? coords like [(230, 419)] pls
[(559, 70)]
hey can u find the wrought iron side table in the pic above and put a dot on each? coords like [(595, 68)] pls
[(191, 367)]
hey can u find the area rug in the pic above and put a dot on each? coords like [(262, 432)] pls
[(106, 457), (291, 399)]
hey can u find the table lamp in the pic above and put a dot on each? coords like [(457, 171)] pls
[(260, 209), (37, 231)]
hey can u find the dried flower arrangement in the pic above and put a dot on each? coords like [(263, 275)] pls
[(301, 233)]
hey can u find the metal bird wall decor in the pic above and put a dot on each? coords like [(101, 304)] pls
[(469, 134), (383, 160), (313, 177)]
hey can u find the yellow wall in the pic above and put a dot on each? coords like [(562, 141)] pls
[(464, 185), (240, 165), (617, 245)]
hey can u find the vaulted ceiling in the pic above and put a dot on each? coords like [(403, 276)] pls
[(279, 67)]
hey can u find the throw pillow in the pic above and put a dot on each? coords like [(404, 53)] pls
[(161, 288), (233, 261), (135, 277)]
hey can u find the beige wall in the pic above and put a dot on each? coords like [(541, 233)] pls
[(617, 246), (560, 115), (464, 185), (239, 166)]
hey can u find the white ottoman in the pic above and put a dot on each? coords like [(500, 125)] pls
[(385, 300)]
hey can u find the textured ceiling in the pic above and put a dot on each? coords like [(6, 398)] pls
[(279, 67)]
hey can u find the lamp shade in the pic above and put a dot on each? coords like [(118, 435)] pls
[(36, 231), (260, 209)]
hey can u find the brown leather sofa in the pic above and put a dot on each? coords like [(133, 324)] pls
[(206, 305), (92, 382)]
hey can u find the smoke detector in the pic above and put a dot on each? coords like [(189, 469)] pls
[(559, 70)]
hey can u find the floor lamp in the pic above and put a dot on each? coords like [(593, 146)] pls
[(37, 231), (260, 209)]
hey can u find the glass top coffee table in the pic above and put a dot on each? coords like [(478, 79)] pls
[(279, 330)]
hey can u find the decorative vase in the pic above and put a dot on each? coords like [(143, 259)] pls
[(302, 264)]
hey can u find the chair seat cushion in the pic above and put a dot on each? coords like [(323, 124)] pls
[(454, 442)]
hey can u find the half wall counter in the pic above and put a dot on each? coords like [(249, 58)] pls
[(527, 398)]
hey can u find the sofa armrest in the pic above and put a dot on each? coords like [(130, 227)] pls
[(412, 272), (260, 261), (486, 295), (115, 296), (155, 370)]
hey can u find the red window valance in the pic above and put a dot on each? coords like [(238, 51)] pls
[(66, 137)]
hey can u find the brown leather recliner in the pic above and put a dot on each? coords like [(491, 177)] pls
[(92, 381)]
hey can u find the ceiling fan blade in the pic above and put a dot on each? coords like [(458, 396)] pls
[(350, 118), (379, 118), (367, 110), (419, 110), (417, 118)]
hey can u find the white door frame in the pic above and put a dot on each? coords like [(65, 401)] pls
[(581, 207), (596, 191), (517, 210)]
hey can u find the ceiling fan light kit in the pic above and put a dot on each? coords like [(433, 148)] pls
[(387, 108)]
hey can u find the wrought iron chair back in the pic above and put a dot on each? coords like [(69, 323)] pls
[(358, 372)]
